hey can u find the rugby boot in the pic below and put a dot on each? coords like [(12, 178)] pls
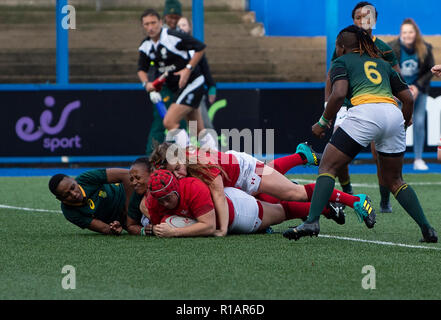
[(364, 210), (385, 207), (312, 157), (429, 235), (305, 229), (336, 213)]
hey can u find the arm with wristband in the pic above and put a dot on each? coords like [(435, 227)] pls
[(336, 100)]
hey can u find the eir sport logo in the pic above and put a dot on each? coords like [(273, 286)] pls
[(27, 131)]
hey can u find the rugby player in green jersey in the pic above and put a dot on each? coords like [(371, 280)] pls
[(96, 199), (371, 84), (364, 15), (137, 221)]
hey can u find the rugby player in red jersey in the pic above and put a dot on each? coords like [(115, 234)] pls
[(245, 172), (189, 197)]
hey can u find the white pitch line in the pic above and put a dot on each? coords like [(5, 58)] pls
[(385, 243), (320, 235), (27, 209), (374, 185)]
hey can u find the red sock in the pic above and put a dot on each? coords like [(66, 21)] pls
[(343, 197), (298, 210), (283, 164), (337, 196), (266, 198)]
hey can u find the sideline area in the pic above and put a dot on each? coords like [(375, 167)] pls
[(356, 167)]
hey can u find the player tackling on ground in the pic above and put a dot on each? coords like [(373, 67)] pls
[(371, 85), (96, 199)]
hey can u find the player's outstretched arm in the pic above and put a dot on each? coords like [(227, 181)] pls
[(104, 228), (115, 175)]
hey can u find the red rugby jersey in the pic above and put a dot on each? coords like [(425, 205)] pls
[(194, 201), (227, 162)]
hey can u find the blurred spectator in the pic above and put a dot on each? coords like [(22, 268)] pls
[(172, 13), (184, 25), (436, 70), (416, 60), (439, 150)]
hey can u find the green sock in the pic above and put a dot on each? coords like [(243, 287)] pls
[(324, 186), (385, 194), (408, 199)]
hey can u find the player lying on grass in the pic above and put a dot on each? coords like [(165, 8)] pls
[(137, 223), (371, 84), (96, 199), (240, 170), (190, 197)]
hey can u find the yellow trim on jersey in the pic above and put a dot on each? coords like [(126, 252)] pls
[(370, 98), (374, 38), (82, 191)]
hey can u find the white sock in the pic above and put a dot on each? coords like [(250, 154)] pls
[(208, 142)]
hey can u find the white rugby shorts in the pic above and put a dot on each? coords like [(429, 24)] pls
[(246, 211), (250, 172), (341, 115), (382, 123)]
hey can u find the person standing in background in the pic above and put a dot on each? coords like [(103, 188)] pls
[(416, 60), (169, 50), (184, 25), (436, 70), (172, 13)]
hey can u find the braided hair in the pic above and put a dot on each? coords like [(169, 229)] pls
[(202, 171), (354, 37)]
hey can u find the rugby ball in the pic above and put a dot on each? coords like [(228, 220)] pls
[(179, 222)]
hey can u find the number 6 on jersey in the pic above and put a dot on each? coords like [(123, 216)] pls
[(369, 70)]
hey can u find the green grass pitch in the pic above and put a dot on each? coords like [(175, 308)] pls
[(36, 245)]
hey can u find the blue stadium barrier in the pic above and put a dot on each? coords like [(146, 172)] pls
[(138, 86)]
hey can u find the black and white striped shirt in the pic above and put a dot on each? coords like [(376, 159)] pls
[(170, 53)]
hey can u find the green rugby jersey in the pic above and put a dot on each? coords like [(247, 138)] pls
[(133, 210), (386, 53), (104, 201), (371, 80)]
